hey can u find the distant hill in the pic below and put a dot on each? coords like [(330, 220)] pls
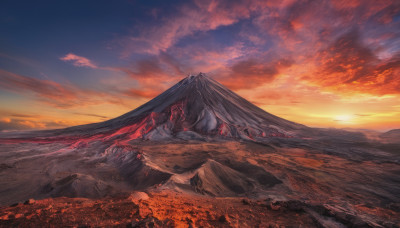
[(391, 136)]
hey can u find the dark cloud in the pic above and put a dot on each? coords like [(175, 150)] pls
[(145, 69), (92, 115), (348, 59), (153, 75), (176, 66), (18, 115), (161, 67), (251, 73)]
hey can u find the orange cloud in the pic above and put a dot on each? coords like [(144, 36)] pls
[(146, 93), (53, 93), (5, 120), (7, 124), (251, 73), (78, 61), (349, 65)]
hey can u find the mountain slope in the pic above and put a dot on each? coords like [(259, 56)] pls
[(195, 107)]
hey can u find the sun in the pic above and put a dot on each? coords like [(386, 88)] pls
[(344, 118)]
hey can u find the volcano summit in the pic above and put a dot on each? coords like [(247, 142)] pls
[(202, 145)]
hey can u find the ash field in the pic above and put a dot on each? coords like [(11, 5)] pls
[(199, 155)]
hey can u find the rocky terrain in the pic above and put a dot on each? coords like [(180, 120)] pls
[(199, 155)]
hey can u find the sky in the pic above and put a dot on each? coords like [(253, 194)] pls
[(322, 63)]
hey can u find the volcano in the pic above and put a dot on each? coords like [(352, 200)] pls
[(197, 107), (199, 154)]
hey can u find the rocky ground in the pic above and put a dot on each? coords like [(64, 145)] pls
[(280, 182), (173, 209)]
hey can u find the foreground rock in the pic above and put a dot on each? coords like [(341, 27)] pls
[(177, 209)]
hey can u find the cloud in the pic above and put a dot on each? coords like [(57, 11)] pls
[(349, 65), (78, 61), (7, 124), (153, 74), (144, 69), (92, 115), (272, 37), (198, 16), (252, 73), (346, 60), (5, 120), (175, 66), (18, 115), (45, 89), (52, 93), (145, 93)]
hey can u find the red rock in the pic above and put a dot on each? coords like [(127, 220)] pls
[(29, 201)]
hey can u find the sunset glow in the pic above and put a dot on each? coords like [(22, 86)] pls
[(200, 113), (328, 63), (344, 118)]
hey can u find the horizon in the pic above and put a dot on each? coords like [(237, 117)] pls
[(68, 64), (190, 75)]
